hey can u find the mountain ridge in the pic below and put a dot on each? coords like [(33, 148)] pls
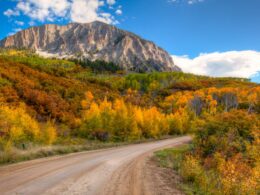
[(93, 41)]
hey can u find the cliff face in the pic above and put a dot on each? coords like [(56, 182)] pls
[(93, 41)]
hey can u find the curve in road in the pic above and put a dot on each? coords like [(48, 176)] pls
[(110, 171)]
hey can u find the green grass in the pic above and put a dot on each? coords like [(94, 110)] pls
[(173, 158), (67, 146), (15, 155)]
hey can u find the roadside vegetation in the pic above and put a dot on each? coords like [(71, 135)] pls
[(66, 106), (224, 157), (173, 158), (34, 151)]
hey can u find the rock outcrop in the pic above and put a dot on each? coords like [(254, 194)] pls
[(93, 41)]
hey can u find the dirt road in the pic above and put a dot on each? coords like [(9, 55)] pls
[(113, 171)]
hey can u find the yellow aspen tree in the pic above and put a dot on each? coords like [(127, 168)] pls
[(88, 100), (49, 133), (17, 125), (211, 104)]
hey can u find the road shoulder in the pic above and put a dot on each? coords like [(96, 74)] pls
[(163, 181)]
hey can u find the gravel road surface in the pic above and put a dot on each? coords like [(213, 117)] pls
[(115, 171)]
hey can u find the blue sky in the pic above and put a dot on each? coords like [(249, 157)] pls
[(199, 33)]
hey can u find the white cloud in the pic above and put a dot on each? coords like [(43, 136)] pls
[(119, 12), (43, 10), (87, 11), (173, 1), (11, 12), (82, 11), (31, 23), (194, 1), (111, 2), (14, 31), (19, 23), (190, 2), (233, 63)]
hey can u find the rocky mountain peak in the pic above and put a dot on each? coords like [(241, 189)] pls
[(93, 41)]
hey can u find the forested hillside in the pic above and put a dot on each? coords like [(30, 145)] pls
[(55, 90), (50, 101)]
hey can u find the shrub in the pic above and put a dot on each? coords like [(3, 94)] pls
[(49, 134), (17, 126)]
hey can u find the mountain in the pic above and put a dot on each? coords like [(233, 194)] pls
[(93, 41)]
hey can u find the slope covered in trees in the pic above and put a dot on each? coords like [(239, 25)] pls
[(224, 158), (52, 89), (50, 101)]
